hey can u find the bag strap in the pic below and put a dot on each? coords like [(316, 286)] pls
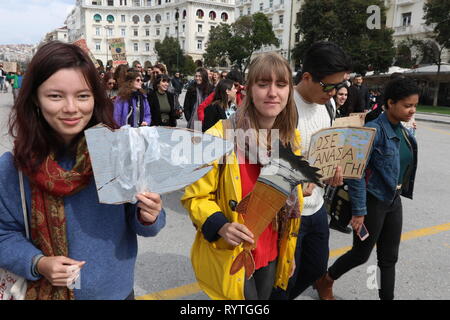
[(24, 205)]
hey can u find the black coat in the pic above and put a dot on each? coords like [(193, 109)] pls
[(191, 98), (156, 112), (213, 113)]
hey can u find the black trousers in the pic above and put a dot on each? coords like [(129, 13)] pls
[(260, 285), (384, 223)]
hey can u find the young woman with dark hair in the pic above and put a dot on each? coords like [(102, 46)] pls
[(131, 106), (375, 198), (224, 105), (110, 85), (195, 95), (71, 231), (162, 103)]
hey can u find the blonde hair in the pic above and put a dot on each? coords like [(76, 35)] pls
[(262, 68)]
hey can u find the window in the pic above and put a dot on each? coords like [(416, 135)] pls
[(281, 18), (123, 18), (149, 3), (96, 2), (136, 47), (137, 3), (212, 15), (183, 43), (200, 14), (167, 16), (135, 19), (261, 6), (110, 32), (167, 31), (98, 46), (123, 32), (123, 2), (158, 32), (200, 28), (97, 18), (158, 18), (111, 3), (97, 31), (135, 32), (406, 19), (270, 3), (147, 19), (199, 44), (249, 11), (224, 16), (110, 18), (184, 27), (147, 32), (184, 14), (147, 46)]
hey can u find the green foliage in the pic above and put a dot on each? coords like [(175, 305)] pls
[(188, 67), (403, 57), (238, 41), (169, 51), (437, 13), (346, 25)]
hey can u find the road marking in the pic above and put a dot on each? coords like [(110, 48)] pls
[(194, 288)]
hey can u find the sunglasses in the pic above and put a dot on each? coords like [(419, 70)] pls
[(327, 87)]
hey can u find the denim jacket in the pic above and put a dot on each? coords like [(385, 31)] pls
[(383, 167)]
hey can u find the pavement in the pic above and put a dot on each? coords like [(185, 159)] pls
[(433, 117)]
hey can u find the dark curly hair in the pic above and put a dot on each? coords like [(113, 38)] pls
[(399, 88)]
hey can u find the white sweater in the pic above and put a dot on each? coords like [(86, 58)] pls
[(311, 118)]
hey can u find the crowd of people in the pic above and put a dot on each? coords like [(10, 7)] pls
[(62, 96)]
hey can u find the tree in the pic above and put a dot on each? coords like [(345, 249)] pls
[(437, 15), (188, 65), (346, 25), (170, 53), (404, 57), (240, 40)]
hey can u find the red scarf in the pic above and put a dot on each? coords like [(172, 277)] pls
[(49, 185)]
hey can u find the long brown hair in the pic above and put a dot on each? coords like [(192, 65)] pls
[(126, 89), (262, 68), (34, 138)]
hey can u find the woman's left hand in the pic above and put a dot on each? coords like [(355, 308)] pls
[(150, 204)]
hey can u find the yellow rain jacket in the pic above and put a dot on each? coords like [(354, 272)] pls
[(212, 261)]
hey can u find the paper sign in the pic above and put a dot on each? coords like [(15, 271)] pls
[(354, 120), (118, 52), (347, 147), (129, 160), (83, 45)]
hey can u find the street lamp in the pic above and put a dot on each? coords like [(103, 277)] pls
[(177, 17), (107, 28)]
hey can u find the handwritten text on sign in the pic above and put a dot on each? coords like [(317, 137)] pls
[(345, 147)]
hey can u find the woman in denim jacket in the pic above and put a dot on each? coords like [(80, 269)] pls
[(375, 197)]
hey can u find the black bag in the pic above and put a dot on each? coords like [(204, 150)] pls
[(338, 205)]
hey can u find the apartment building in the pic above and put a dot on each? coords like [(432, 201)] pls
[(144, 22)]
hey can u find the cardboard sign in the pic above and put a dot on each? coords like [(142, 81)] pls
[(83, 45), (354, 120), (9, 66), (118, 52), (347, 147)]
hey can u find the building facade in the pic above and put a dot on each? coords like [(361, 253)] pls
[(144, 22), (281, 13), (405, 17)]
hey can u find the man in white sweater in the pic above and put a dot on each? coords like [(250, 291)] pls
[(324, 67)]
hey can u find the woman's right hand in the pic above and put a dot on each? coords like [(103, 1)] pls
[(235, 233), (59, 271)]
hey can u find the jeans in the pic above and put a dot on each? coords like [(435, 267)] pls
[(384, 223), (311, 255), (260, 285)]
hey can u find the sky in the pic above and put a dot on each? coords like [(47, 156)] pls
[(27, 21)]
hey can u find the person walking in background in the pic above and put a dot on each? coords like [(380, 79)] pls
[(209, 201), (195, 95), (177, 84), (224, 105), (324, 68), (2, 79), (236, 77), (61, 97), (131, 106), (375, 198), (162, 103), (363, 94), (17, 84), (110, 85)]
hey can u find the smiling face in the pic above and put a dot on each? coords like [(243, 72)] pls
[(270, 97), (341, 96), (137, 83), (402, 110), (163, 85), (66, 103)]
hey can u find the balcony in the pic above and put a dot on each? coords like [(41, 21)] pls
[(278, 27), (278, 7), (200, 34)]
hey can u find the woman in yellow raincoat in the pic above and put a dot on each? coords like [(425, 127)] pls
[(211, 201)]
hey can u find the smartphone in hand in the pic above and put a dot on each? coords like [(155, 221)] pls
[(363, 233)]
